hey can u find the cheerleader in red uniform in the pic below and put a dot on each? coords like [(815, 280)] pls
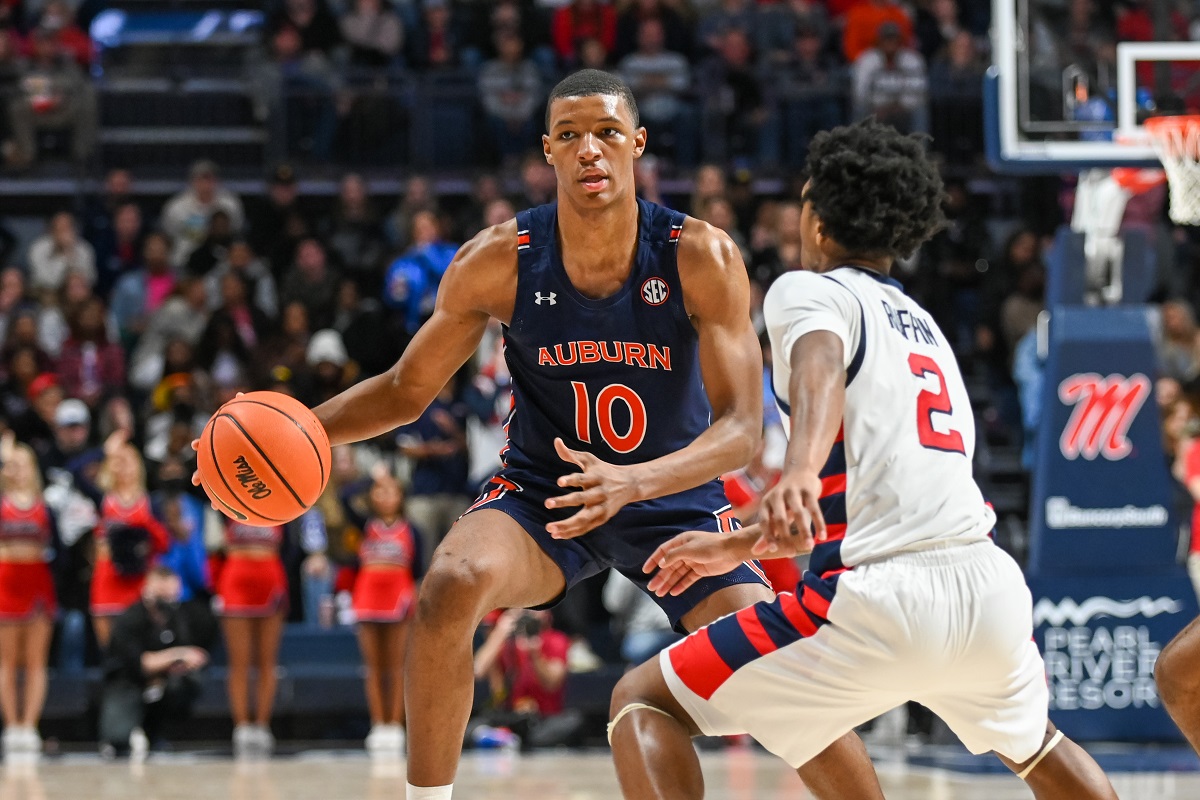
[(28, 541), (128, 537), (390, 562), (251, 601)]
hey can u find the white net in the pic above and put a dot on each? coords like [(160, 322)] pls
[(1177, 141)]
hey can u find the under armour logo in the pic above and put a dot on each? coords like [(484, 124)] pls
[(548, 298)]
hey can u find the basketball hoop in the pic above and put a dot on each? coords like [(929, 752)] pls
[(1177, 142)]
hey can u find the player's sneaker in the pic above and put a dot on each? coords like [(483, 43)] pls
[(139, 743), (243, 740), (264, 740)]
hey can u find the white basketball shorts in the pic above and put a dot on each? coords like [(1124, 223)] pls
[(950, 628)]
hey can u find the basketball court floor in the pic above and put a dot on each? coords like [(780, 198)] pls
[(742, 774)]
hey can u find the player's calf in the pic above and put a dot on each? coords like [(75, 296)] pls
[(1062, 770), (1177, 673)]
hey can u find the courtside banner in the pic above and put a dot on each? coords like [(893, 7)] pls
[(1100, 639), (1101, 499)]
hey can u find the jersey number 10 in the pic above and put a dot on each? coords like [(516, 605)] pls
[(929, 403), (608, 396)]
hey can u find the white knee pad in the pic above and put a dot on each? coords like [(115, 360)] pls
[(1046, 748), (628, 709)]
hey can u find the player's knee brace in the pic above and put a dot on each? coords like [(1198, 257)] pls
[(612, 726), (1045, 751)]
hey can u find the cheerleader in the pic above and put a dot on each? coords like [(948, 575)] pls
[(27, 604), (390, 563), (128, 536), (251, 601)]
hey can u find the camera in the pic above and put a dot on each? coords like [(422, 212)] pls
[(528, 626)]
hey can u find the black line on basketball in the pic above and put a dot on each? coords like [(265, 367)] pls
[(217, 466), (316, 450), (254, 444), (241, 517)]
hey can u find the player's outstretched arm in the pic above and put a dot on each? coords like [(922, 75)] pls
[(716, 293), (692, 555), (480, 283), (817, 392)]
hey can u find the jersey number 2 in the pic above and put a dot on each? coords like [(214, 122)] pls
[(621, 443), (929, 403)]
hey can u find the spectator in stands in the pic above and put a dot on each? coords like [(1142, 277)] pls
[(710, 181), (118, 247), (719, 213), (1181, 432), (864, 22), (181, 318), (140, 293), (538, 183), (354, 234), (411, 283), (676, 28), (152, 665), (313, 23), (811, 88), (24, 331), (437, 43), (777, 249), (12, 296), (737, 116), (374, 33), (1179, 344), (241, 261), (659, 78), (418, 196), (269, 217), (373, 340), (238, 313), (183, 514), (956, 103), (55, 95), (288, 347), (330, 368), (28, 542), (35, 425), (592, 54), (950, 276), (58, 252), (185, 217), (72, 428), (890, 83), (91, 367), (780, 24), (57, 22), (391, 562), (510, 89), (525, 663), (639, 624), (579, 20), (437, 445), (1020, 311), (313, 282), (213, 248), (936, 24), (100, 211), (726, 16)]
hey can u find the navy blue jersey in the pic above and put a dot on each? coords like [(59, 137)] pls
[(618, 377)]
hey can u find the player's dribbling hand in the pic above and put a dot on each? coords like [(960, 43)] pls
[(603, 489), (791, 515), (687, 558)]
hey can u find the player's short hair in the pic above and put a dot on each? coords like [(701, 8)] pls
[(589, 83), (875, 189)]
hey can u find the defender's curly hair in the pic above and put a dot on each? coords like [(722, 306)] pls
[(874, 189)]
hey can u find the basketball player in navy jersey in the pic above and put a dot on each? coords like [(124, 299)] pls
[(636, 382)]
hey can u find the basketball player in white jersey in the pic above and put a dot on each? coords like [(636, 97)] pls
[(906, 597)]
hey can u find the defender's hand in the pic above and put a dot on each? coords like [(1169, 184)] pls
[(603, 490), (791, 516), (687, 558)]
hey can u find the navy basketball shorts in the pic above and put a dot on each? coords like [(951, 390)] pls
[(625, 541)]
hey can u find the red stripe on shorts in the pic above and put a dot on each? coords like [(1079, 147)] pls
[(698, 664)]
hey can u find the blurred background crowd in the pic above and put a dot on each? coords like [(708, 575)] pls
[(349, 150)]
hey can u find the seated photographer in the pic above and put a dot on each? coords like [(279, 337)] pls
[(156, 649), (525, 663)]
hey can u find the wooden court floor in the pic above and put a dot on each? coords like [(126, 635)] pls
[(736, 775)]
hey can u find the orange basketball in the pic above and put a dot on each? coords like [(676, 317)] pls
[(264, 458)]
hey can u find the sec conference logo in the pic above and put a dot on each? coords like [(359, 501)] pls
[(655, 291), (1104, 408)]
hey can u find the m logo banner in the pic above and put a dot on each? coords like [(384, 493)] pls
[(1104, 410)]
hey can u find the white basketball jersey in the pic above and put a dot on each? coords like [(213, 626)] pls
[(908, 430)]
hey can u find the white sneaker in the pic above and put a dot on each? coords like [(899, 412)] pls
[(376, 740), (264, 740), (139, 744), (10, 741), (243, 740)]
